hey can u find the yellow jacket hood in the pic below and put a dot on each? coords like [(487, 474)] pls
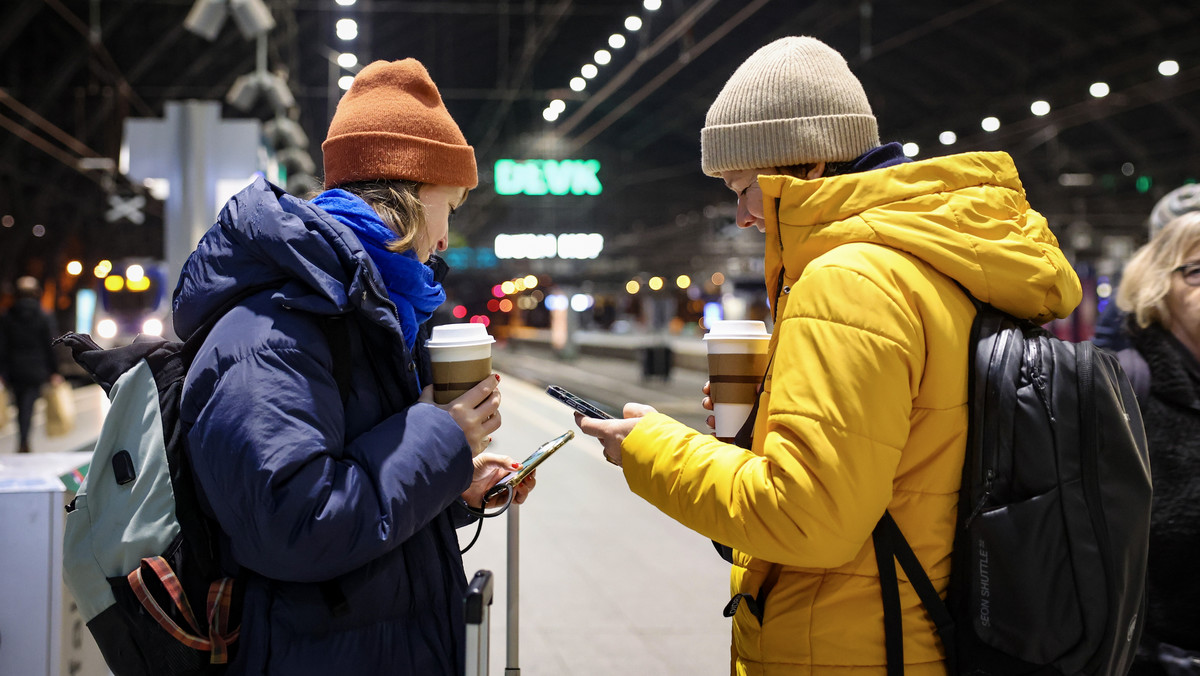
[(966, 215)]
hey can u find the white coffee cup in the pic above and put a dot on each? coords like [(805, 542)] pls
[(460, 356), (737, 360)]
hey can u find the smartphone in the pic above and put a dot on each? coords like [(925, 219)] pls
[(539, 456), (576, 403)]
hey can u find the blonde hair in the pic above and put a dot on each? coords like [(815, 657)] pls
[(398, 207), (1147, 278)]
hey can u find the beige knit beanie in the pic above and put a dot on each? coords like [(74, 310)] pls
[(793, 101)]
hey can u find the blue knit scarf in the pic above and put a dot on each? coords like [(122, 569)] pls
[(409, 282)]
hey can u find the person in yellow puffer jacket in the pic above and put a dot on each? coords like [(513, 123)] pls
[(864, 406)]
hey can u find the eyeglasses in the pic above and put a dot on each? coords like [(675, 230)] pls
[(1191, 273)]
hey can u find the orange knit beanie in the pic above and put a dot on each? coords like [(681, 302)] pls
[(392, 124)]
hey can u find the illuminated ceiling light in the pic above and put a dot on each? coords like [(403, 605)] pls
[(633, 23), (345, 3), (911, 149), (347, 60), (632, 286), (589, 71), (652, 5), (683, 281), (602, 56), (1039, 108), (616, 41), (990, 124), (557, 106), (1099, 89), (947, 138), (578, 83), (1168, 68), (550, 115), (345, 81), (655, 283), (347, 29)]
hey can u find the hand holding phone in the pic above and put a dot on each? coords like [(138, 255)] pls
[(581, 405), (539, 456)]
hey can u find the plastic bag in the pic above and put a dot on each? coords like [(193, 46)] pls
[(5, 414), (60, 409)]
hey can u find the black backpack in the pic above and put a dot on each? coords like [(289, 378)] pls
[(1049, 562), (139, 555)]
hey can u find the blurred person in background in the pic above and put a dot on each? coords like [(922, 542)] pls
[(340, 511), (1111, 331), (1160, 291), (864, 406), (27, 360)]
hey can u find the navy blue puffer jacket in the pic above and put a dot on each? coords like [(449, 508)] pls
[(313, 495)]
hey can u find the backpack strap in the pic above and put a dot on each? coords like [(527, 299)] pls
[(891, 546)]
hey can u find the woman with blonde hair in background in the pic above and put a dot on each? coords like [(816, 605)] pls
[(1160, 290)]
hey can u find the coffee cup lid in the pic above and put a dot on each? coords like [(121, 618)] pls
[(455, 335), (738, 329)]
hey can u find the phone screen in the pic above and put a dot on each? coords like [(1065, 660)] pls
[(539, 456)]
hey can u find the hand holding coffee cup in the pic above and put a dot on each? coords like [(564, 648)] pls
[(737, 360), (460, 357)]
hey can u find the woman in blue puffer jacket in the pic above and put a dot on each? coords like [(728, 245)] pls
[(339, 505)]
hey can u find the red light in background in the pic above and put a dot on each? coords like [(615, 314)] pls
[(459, 311), (481, 319), (493, 305), (505, 305), (497, 291)]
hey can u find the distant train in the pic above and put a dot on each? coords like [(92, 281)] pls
[(132, 298)]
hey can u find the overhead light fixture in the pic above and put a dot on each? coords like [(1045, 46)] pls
[(1168, 68), (1039, 108), (578, 84), (616, 41), (549, 115), (347, 60), (253, 17), (345, 81), (206, 18), (589, 70), (347, 29), (282, 132), (633, 23), (557, 105), (911, 149), (602, 56), (947, 138), (248, 89), (652, 5), (1099, 89), (990, 124)]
